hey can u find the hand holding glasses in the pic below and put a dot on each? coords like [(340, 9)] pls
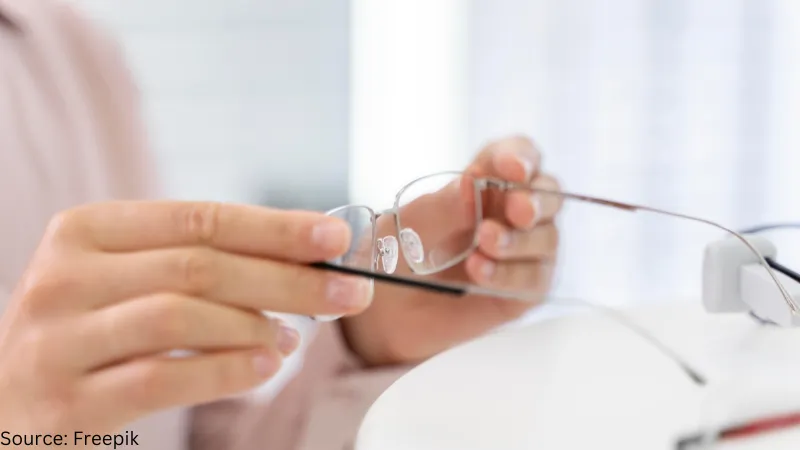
[(437, 223), (597, 252)]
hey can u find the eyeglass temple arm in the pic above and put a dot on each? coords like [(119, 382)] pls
[(393, 279), (788, 299)]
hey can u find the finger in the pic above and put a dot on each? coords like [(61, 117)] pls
[(439, 215), (131, 226), (515, 159), (529, 279), (134, 389), (550, 198), (500, 242), (524, 209), (164, 322), (236, 280)]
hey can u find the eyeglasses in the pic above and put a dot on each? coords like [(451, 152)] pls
[(437, 222), (444, 229)]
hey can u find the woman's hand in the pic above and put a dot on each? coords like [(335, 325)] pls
[(114, 287), (518, 241)]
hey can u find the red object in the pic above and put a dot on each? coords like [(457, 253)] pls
[(761, 426)]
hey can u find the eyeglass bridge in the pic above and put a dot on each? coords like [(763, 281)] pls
[(389, 249)]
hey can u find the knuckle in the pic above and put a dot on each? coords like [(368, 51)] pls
[(201, 221), (35, 340), (226, 377), (261, 328), (37, 350), (62, 224), (170, 321), (301, 283), (57, 407), (114, 338), (37, 366), (196, 270), (149, 381), (43, 286), (552, 237), (285, 229), (314, 286), (233, 374)]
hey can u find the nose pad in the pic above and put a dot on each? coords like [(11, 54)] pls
[(388, 251), (412, 245)]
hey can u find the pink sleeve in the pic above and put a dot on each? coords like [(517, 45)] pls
[(71, 132), (320, 409), (130, 162)]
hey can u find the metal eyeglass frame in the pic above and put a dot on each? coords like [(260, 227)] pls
[(482, 184)]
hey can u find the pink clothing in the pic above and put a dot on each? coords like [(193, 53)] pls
[(71, 133)]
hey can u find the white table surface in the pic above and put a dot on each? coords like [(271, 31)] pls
[(585, 382)]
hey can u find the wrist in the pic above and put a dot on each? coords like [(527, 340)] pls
[(365, 349), (383, 335)]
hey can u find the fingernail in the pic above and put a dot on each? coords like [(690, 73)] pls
[(330, 234), (527, 166), (487, 270), (288, 340), (536, 204), (499, 238), (264, 365), (350, 293)]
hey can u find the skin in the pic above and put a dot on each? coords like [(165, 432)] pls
[(406, 325), (114, 287)]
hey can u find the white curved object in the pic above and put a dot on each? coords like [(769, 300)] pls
[(576, 382), (735, 280)]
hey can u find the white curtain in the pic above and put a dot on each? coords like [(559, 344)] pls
[(629, 96), (684, 104)]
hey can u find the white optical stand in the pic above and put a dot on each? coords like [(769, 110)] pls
[(585, 382), (735, 280)]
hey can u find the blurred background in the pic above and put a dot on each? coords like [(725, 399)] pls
[(683, 104)]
